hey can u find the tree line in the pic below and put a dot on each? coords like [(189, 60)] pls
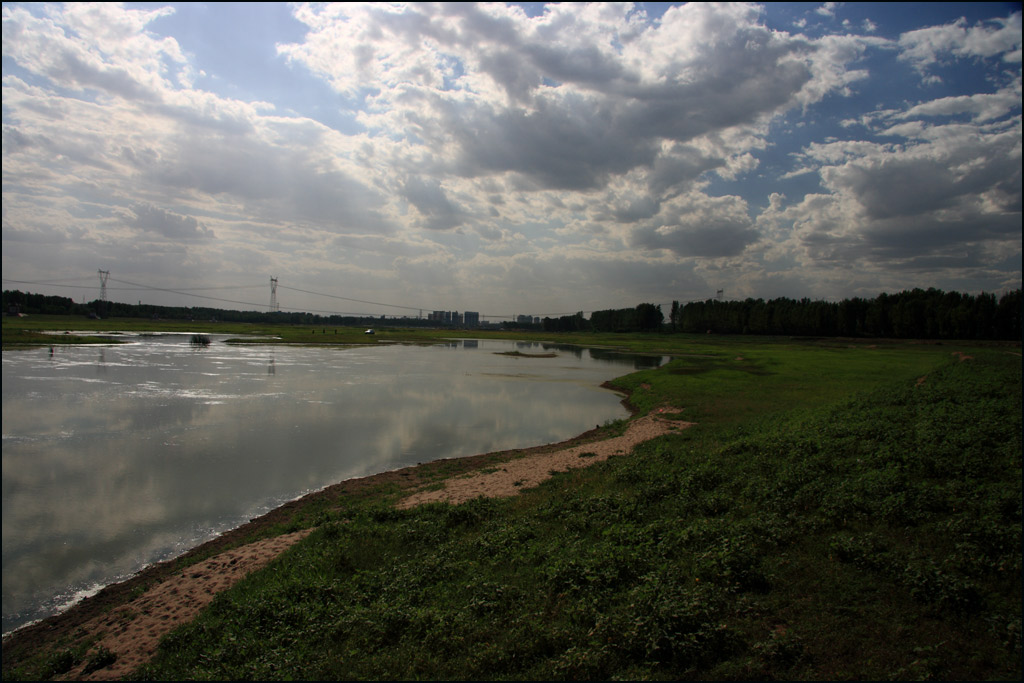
[(643, 318), (40, 304), (914, 314)]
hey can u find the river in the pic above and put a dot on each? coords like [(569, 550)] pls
[(115, 457)]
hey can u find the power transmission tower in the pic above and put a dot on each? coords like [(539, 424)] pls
[(104, 274), (274, 307)]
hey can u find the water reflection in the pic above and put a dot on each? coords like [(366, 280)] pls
[(115, 457)]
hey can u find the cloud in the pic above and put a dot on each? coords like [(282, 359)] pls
[(951, 195), (579, 99), (92, 46), (828, 9), (982, 106), (698, 226), (636, 210), (567, 99), (176, 226), (946, 164), (201, 148), (274, 182), (497, 151), (927, 46), (430, 200), (565, 144), (678, 166)]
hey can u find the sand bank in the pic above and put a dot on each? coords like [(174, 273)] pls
[(531, 469)]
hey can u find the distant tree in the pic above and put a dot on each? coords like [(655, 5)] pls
[(567, 323), (649, 317), (1008, 316)]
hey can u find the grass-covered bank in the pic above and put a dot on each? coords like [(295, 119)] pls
[(838, 513), (877, 538), (29, 330)]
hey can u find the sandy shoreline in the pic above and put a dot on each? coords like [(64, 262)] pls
[(532, 469), (130, 617)]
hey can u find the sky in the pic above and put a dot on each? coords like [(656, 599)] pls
[(509, 159)]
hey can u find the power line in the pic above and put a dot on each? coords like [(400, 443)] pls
[(345, 298), (189, 291), (50, 282), (185, 292), (61, 283), (57, 283)]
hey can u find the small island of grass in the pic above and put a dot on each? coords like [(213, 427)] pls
[(520, 354)]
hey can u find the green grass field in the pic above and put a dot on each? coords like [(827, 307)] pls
[(841, 510)]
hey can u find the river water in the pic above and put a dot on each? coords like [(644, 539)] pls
[(115, 457)]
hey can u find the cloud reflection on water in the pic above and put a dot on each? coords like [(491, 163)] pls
[(175, 445)]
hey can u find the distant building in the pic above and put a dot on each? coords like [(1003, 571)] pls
[(471, 318), (445, 317)]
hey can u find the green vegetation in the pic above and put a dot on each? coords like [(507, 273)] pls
[(871, 535), (520, 354), (16, 334), (100, 659), (29, 331), (841, 510)]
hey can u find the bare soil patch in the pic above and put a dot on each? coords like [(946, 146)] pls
[(533, 468), (132, 631)]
